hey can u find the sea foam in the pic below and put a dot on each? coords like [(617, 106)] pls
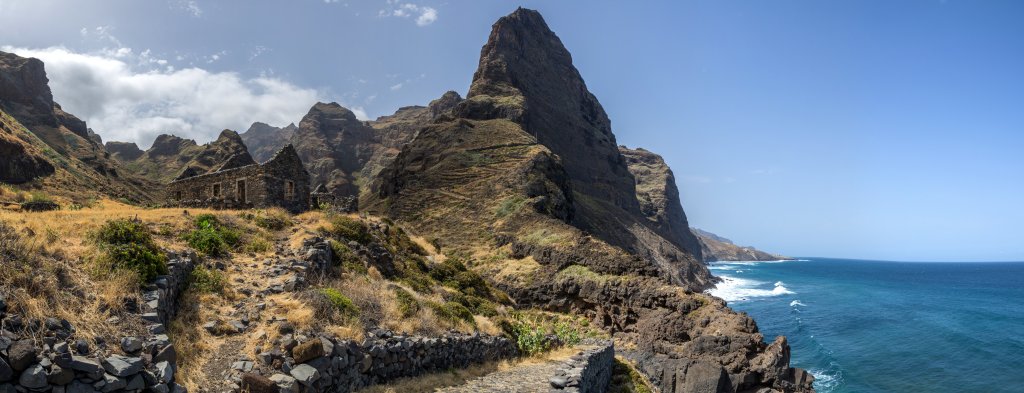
[(733, 289)]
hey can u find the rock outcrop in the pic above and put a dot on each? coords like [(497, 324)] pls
[(527, 166), (263, 140), (716, 248), (40, 140), (171, 156), (659, 198), (124, 151)]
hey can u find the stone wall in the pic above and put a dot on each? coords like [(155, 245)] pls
[(324, 364), (45, 356), (589, 371)]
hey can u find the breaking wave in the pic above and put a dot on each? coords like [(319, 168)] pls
[(733, 289)]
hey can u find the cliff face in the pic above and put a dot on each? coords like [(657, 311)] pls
[(717, 248), (42, 143), (263, 140), (526, 76), (659, 197), (335, 146), (525, 177)]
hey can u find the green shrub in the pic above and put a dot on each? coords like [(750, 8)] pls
[(211, 237), (454, 274), (270, 219), (206, 280), (346, 258), (128, 245), (530, 339), (567, 334), (350, 229), (509, 206), (257, 244), (453, 312), (407, 304), (341, 303)]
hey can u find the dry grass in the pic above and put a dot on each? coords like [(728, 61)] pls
[(432, 382)]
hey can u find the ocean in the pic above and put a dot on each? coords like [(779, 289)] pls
[(873, 326)]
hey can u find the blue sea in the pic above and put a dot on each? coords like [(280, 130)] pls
[(873, 326)]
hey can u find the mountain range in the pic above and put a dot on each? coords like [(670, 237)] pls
[(523, 174)]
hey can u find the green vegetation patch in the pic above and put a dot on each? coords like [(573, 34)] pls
[(510, 206), (212, 237), (453, 312), (205, 280), (269, 219), (350, 229), (128, 245), (407, 303), (341, 303)]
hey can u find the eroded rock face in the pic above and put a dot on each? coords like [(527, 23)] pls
[(20, 163), (335, 146), (24, 89), (526, 76), (659, 198), (264, 140), (124, 151), (173, 157)]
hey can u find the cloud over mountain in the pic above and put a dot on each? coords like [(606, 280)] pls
[(130, 96)]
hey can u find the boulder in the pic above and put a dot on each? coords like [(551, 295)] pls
[(305, 374), (255, 383), (113, 384), (286, 383), (34, 377), (164, 372), (307, 351), (131, 345), (22, 354), (85, 365), (168, 354), (60, 376), (122, 366)]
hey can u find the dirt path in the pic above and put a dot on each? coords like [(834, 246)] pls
[(250, 280), (527, 377)]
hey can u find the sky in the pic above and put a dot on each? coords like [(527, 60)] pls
[(871, 129)]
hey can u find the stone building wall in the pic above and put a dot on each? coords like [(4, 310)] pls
[(281, 182)]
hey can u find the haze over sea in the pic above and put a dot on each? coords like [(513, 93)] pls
[(875, 326)]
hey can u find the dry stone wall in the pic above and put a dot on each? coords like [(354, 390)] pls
[(46, 356), (589, 371), (325, 364)]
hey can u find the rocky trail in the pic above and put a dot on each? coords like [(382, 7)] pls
[(250, 280), (530, 376)]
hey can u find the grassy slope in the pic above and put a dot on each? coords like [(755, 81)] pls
[(74, 180)]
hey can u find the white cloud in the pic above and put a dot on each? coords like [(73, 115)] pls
[(135, 97), (396, 87), (193, 7), (427, 16), (424, 15)]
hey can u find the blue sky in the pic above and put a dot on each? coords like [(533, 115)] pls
[(864, 129)]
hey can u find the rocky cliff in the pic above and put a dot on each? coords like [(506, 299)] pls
[(717, 248), (525, 177), (659, 197), (263, 140), (342, 152), (171, 156), (43, 144)]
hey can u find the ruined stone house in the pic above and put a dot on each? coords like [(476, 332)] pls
[(282, 181)]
